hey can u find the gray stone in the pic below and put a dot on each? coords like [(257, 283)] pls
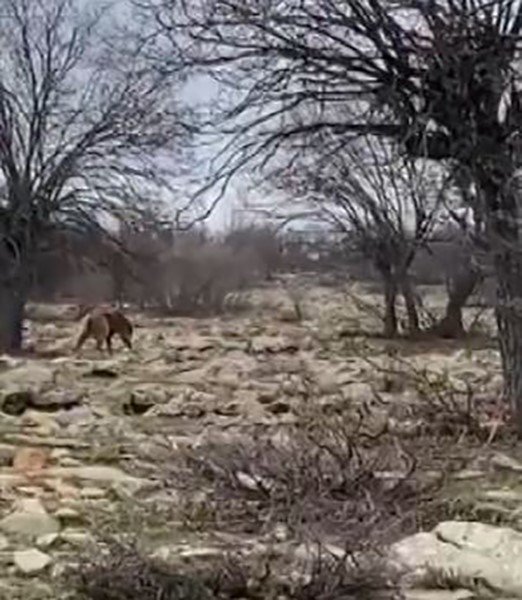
[(358, 392), (264, 343), (78, 415), (502, 495), (30, 376), (468, 551), (502, 461), (31, 561), (467, 474), (47, 540), (54, 400), (93, 473), (438, 594), (66, 514), (76, 537), (30, 519), (23, 386)]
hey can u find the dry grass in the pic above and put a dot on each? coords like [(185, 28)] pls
[(117, 571)]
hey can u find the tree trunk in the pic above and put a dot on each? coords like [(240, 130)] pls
[(509, 323), (411, 306), (13, 297), (390, 311), (502, 227), (460, 289)]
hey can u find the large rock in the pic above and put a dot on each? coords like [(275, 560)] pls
[(488, 556), (80, 415), (56, 399), (31, 561), (505, 462), (29, 376), (22, 386), (30, 519)]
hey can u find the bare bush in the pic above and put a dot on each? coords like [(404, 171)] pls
[(198, 282), (444, 409), (326, 478), (263, 243), (337, 578), (117, 571), (192, 274), (184, 273), (120, 572)]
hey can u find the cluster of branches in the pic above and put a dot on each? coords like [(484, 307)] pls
[(389, 208), (322, 481), (83, 127), (440, 78), (158, 267)]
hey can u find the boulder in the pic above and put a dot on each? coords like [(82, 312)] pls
[(56, 399), (29, 376), (505, 462), (23, 386), (31, 561), (30, 519), (473, 554)]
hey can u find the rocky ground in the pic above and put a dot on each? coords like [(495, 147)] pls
[(86, 440)]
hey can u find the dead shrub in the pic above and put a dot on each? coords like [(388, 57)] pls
[(325, 576), (192, 276), (334, 477), (339, 578), (444, 408), (197, 282), (118, 571)]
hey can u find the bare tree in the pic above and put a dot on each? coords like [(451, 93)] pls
[(440, 76), (81, 125), (387, 206), (262, 241)]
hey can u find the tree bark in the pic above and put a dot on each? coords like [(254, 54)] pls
[(502, 229), (13, 298), (411, 306), (390, 311), (509, 323), (460, 289)]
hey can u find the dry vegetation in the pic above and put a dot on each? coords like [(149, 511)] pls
[(274, 451), (292, 406)]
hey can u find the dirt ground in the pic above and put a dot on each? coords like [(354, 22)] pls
[(86, 440)]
